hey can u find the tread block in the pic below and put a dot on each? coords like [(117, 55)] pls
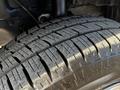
[(80, 28), (76, 53), (32, 70), (18, 76), (83, 49), (67, 33), (92, 55), (77, 20), (92, 26), (22, 54), (53, 38), (5, 83), (66, 23), (113, 24), (107, 25), (51, 65), (16, 46), (32, 30), (8, 64), (113, 41), (38, 45), (68, 55), (1, 85), (96, 19), (5, 54), (100, 45), (28, 39), (24, 34), (41, 32), (57, 58), (116, 32), (54, 27)]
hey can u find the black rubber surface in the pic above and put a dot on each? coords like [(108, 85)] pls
[(41, 58)]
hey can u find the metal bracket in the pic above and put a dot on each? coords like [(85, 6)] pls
[(43, 17)]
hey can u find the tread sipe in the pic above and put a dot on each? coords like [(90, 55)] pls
[(65, 54)]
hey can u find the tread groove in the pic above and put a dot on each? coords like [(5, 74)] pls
[(114, 35), (46, 67), (25, 72), (58, 33), (28, 77), (17, 60), (63, 57), (79, 50), (106, 41), (75, 30), (9, 83), (99, 26), (47, 42), (28, 48), (1, 65), (93, 44)]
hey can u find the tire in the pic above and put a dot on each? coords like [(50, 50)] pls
[(65, 54)]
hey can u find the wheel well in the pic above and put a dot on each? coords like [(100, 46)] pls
[(107, 8)]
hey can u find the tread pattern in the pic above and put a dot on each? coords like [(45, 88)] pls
[(40, 57)]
